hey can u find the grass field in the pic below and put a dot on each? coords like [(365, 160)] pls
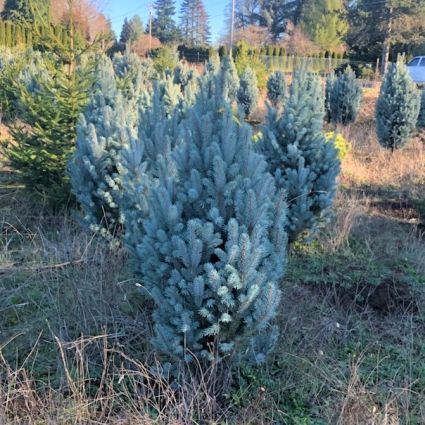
[(74, 329)]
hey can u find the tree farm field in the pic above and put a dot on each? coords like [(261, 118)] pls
[(75, 329)]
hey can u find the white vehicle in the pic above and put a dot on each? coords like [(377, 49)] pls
[(416, 69)]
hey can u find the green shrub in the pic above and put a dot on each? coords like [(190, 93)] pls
[(342, 145), (243, 59), (164, 59)]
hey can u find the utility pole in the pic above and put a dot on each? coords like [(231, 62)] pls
[(232, 28)]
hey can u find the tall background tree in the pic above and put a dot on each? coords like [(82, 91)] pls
[(325, 22), (163, 25), (194, 23), (384, 30), (131, 30)]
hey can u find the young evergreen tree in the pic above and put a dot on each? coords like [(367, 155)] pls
[(118, 141), (343, 97), (230, 78), (303, 162), (105, 128), (44, 137), (213, 248), (163, 25), (397, 108), (276, 89), (248, 92)]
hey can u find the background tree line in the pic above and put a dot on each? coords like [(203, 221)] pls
[(364, 29)]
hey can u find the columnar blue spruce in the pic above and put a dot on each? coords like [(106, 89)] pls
[(105, 128), (248, 91), (344, 96), (230, 78), (397, 108), (276, 89), (304, 164), (213, 253)]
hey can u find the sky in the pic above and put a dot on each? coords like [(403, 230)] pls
[(117, 10)]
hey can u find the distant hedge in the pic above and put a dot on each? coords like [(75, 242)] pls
[(195, 54)]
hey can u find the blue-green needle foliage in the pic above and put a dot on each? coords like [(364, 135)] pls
[(276, 89), (106, 126), (133, 74), (344, 96), (213, 251), (303, 162), (229, 78), (248, 91), (397, 108), (158, 136)]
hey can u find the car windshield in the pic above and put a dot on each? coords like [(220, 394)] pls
[(414, 62)]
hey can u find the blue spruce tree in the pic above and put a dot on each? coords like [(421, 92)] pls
[(229, 78), (397, 108), (212, 252), (303, 162), (276, 89), (105, 128), (248, 91), (343, 97), (119, 137)]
